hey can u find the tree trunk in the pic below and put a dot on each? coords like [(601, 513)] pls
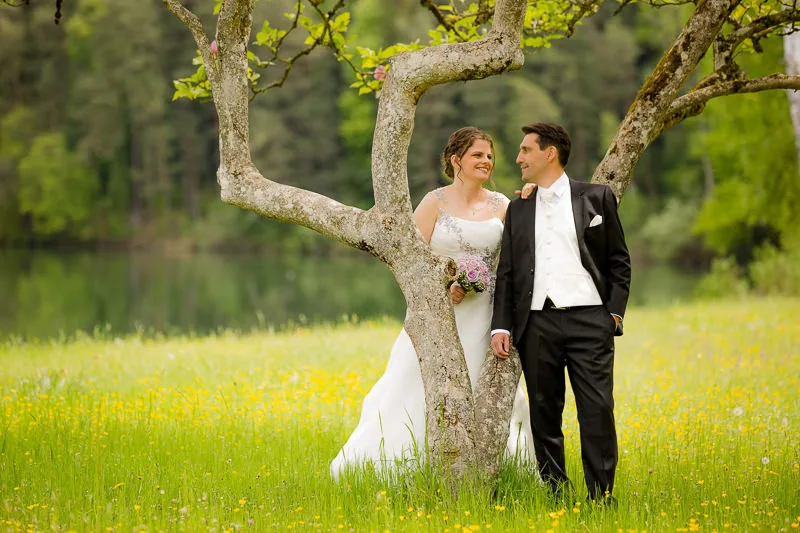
[(430, 322), (494, 401), (791, 56)]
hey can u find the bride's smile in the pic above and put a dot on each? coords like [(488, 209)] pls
[(476, 164)]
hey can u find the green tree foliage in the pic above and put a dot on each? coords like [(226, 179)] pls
[(750, 143), (776, 271), (17, 130), (57, 188)]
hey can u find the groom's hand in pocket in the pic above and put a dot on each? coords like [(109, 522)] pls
[(500, 344), (457, 293)]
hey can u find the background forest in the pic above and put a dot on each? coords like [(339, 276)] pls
[(94, 155)]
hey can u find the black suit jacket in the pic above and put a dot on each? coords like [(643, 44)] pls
[(603, 254)]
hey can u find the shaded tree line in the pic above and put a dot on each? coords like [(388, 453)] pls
[(93, 151)]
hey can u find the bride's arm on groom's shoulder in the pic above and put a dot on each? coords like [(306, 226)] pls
[(526, 190), (425, 215)]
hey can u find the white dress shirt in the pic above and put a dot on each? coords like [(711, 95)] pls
[(558, 271)]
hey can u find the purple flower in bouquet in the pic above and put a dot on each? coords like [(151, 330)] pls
[(473, 274)]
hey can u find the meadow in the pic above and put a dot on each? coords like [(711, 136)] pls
[(236, 431)]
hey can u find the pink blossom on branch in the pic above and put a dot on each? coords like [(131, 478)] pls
[(214, 47)]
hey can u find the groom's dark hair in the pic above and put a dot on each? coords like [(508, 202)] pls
[(551, 135)]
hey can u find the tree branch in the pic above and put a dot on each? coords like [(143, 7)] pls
[(484, 13), (289, 63), (653, 3), (20, 3), (191, 21), (440, 18), (765, 23), (570, 17), (693, 103), (642, 122), (250, 190), (726, 45), (240, 182)]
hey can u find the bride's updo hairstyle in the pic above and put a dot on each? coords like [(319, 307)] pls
[(458, 144)]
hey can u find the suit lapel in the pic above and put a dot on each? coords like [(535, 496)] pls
[(578, 209), (579, 215), (530, 223)]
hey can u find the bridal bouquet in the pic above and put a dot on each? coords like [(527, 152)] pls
[(472, 274)]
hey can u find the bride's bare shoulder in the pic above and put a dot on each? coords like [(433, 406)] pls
[(433, 200), (500, 198), (441, 194), (499, 204)]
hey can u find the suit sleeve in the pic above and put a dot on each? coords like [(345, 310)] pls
[(619, 260), (503, 315)]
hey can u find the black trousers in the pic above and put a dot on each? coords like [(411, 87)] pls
[(582, 340)]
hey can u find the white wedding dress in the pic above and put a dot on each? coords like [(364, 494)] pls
[(391, 431)]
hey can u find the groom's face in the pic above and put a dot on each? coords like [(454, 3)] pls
[(531, 159)]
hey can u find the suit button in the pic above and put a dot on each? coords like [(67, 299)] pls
[(530, 293)]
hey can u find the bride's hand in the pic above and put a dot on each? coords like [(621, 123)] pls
[(526, 191), (457, 293)]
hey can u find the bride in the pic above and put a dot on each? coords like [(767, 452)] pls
[(462, 220)]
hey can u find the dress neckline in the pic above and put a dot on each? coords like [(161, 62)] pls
[(442, 211)]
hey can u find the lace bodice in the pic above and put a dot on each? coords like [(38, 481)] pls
[(455, 237)]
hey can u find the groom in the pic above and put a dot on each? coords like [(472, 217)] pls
[(562, 288)]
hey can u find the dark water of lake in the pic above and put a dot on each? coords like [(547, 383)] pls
[(47, 294)]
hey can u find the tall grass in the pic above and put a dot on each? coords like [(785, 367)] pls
[(236, 432)]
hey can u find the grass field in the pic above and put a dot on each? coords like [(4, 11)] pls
[(236, 432)]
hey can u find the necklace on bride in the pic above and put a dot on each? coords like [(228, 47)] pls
[(477, 209), (478, 206)]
